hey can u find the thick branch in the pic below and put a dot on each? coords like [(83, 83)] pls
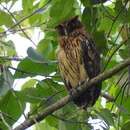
[(59, 104)]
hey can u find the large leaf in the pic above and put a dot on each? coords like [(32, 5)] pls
[(29, 68), (61, 10), (89, 18), (12, 108), (6, 81), (126, 126), (101, 41), (46, 48), (39, 91), (35, 56), (5, 19)]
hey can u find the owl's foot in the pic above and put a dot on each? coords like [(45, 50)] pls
[(81, 83), (74, 92)]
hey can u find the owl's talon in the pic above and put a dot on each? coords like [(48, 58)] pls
[(73, 92), (80, 83)]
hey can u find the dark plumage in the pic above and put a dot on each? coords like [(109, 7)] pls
[(78, 60)]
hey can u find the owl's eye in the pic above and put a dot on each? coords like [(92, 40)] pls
[(61, 30)]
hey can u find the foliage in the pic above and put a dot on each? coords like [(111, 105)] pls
[(108, 24)]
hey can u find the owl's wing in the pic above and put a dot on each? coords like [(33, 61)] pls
[(91, 60), (90, 57)]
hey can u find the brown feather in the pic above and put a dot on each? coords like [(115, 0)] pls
[(78, 60)]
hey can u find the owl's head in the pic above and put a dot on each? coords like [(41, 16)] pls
[(67, 27)]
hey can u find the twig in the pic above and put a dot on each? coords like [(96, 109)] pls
[(28, 16), (116, 49), (108, 97), (11, 58), (117, 18), (59, 104), (26, 35), (123, 86), (112, 47)]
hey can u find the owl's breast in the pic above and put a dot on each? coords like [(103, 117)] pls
[(71, 63)]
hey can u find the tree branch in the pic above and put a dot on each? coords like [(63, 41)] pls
[(7, 58), (59, 104), (108, 97)]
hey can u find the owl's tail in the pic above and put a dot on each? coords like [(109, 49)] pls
[(88, 97)]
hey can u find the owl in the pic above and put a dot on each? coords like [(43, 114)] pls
[(78, 60)]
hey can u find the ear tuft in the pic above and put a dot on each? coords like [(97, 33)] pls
[(75, 18)]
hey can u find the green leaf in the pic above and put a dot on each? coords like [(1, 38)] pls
[(39, 91), (124, 107), (86, 2), (29, 68), (89, 18), (61, 10), (128, 18), (126, 126), (44, 126), (8, 1), (27, 5), (6, 81), (31, 92), (1, 30), (5, 19), (61, 125), (101, 42), (92, 2), (52, 121), (42, 3), (57, 77), (47, 48), (3, 126), (107, 116), (50, 87), (12, 107), (35, 19), (32, 95), (35, 56), (111, 63), (106, 24), (29, 84), (121, 12), (124, 53), (10, 47)]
